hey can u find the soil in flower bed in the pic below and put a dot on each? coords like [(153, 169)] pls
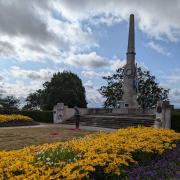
[(18, 123)]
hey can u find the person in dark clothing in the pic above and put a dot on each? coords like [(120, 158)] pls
[(77, 116)]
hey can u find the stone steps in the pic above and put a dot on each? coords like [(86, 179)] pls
[(112, 121)]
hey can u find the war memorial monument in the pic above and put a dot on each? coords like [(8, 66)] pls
[(128, 113)]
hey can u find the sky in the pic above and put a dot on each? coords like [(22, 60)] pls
[(88, 37)]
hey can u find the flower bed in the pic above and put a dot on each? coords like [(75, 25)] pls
[(15, 120), (98, 156)]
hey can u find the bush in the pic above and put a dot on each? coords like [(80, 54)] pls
[(97, 156), (39, 116), (175, 121), (16, 120), (14, 117)]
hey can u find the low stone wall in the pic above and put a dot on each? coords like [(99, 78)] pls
[(69, 112), (133, 111), (99, 111)]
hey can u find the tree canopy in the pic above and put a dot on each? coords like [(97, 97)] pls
[(9, 102), (63, 87), (149, 91)]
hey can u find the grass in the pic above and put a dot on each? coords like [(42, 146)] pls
[(16, 138)]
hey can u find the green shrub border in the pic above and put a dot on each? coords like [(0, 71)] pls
[(39, 116)]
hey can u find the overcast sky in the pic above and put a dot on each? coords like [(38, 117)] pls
[(88, 37)]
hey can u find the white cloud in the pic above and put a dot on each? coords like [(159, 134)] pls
[(89, 74), (36, 31), (61, 31), (29, 32), (158, 48), (18, 88), (116, 63), (173, 78), (158, 18), (94, 98), (172, 82), (1, 78), (90, 60), (41, 74), (175, 96)]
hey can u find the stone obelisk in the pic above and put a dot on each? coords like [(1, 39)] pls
[(130, 83)]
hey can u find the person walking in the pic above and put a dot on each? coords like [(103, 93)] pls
[(77, 116)]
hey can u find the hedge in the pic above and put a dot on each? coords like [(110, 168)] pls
[(39, 116), (175, 120)]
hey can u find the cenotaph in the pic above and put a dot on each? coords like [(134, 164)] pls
[(130, 74)]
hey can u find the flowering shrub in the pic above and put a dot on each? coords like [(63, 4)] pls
[(97, 156), (161, 167), (14, 117)]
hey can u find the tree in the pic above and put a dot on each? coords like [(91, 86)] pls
[(33, 100), (149, 91), (63, 87), (10, 102)]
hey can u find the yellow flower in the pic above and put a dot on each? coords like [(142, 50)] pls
[(108, 151)]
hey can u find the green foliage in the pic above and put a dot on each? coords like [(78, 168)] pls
[(63, 87), (113, 91), (149, 91), (34, 100), (39, 116), (9, 102), (175, 121), (57, 156)]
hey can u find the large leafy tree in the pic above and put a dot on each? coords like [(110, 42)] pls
[(63, 87), (149, 91)]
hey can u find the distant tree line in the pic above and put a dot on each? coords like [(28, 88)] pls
[(67, 87)]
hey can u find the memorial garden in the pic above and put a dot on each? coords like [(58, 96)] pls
[(135, 136)]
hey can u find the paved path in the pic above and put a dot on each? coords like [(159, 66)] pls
[(45, 125)]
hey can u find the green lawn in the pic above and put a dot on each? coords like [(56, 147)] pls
[(20, 137)]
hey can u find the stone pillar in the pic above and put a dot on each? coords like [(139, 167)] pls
[(58, 113), (130, 71), (163, 115)]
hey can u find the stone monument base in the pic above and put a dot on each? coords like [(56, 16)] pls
[(133, 111)]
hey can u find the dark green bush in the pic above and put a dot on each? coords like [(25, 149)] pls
[(175, 120), (39, 116)]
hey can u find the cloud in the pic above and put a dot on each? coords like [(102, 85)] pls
[(158, 48), (89, 74), (22, 19), (158, 19), (94, 98), (175, 96), (18, 88), (6, 49), (117, 63), (30, 32), (173, 78), (90, 60), (41, 74), (172, 82), (36, 31), (1, 78)]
